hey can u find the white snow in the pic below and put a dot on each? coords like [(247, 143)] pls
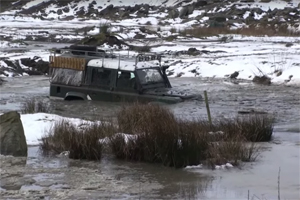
[(279, 4), (129, 65), (194, 166), (34, 3), (37, 125)]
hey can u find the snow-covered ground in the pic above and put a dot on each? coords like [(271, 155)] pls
[(249, 56), (39, 124)]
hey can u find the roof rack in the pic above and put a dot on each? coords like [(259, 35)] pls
[(76, 59)]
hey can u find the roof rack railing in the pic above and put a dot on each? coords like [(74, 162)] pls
[(84, 53), (147, 57)]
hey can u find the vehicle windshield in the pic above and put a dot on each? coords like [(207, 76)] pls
[(149, 76)]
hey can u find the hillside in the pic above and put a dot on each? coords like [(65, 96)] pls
[(234, 13)]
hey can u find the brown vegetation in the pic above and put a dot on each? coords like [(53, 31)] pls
[(82, 143), (155, 135)]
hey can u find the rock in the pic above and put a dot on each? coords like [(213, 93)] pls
[(190, 10), (234, 75), (265, 1), (36, 65), (109, 10), (12, 137), (263, 80), (59, 12), (289, 44), (80, 12), (219, 18), (139, 36), (173, 13), (193, 51), (299, 5), (66, 9), (183, 12), (200, 3)]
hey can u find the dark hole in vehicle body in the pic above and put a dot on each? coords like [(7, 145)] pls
[(84, 72)]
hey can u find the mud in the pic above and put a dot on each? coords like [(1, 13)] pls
[(60, 178)]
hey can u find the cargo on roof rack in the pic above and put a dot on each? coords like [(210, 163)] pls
[(67, 63)]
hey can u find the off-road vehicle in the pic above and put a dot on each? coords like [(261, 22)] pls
[(87, 73)]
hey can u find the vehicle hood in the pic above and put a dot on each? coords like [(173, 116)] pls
[(173, 92)]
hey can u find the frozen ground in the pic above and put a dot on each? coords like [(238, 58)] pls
[(249, 56)]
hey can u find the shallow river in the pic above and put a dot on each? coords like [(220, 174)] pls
[(60, 178)]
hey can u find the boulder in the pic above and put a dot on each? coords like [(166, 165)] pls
[(173, 13), (183, 12), (59, 12), (12, 137), (200, 3), (234, 75)]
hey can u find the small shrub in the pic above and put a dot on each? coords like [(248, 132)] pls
[(254, 128), (35, 106), (171, 38), (81, 143), (233, 150), (173, 30), (144, 49), (157, 136), (160, 137), (104, 28)]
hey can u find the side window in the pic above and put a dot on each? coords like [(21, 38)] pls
[(101, 77), (126, 79)]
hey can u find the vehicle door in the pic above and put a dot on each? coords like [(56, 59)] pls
[(100, 83), (126, 86)]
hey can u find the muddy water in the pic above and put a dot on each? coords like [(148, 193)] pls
[(60, 178)]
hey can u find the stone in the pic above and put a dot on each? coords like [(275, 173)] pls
[(139, 36), (173, 13), (183, 12), (59, 12), (12, 137), (234, 75), (200, 3)]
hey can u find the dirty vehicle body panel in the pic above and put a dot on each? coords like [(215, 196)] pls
[(86, 75)]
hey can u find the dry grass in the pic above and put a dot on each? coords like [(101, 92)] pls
[(253, 128), (81, 143), (161, 138), (35, 106), (155, 135)]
